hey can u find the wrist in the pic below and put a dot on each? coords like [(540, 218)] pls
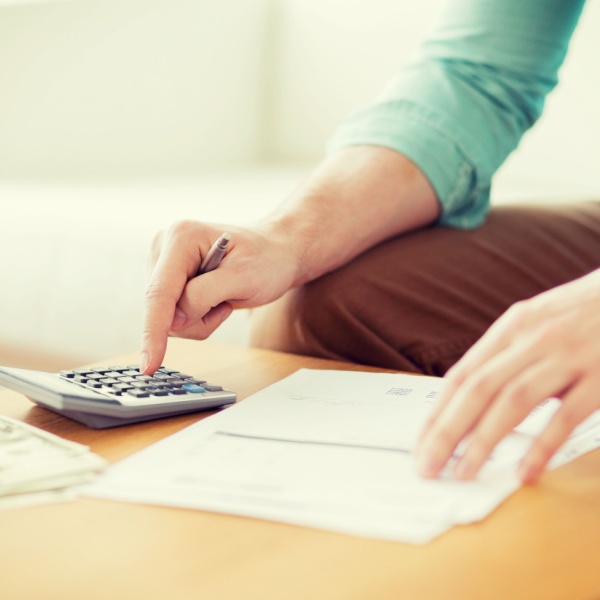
[(354, 200)]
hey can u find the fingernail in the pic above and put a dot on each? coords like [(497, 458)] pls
[(463, 470), (527, 473), (144, 361), (428, 468), (179, 320)]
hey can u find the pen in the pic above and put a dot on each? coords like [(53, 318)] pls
[(215, 254)]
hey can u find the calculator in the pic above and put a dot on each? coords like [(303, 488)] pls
[(116, 395)]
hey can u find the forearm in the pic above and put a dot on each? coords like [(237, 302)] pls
[(356, 198)]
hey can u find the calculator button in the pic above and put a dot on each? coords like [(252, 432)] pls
[(118, 368), (80, 379), (101, 371), (179, 392), (198, 381), (131, 373), (109, 381), (211, 387), (122, 386), (138, 393), (160, 393), (67, 374), (193, 388), (82, 371), (94, 384), (94, 376), (126, 379)]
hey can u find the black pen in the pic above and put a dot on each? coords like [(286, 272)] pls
[(215, 254)]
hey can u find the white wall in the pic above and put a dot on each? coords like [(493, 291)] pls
[(108, 88), (336, 56)]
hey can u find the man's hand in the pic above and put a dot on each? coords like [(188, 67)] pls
[(548, 346), (259, 267), (356, 198)]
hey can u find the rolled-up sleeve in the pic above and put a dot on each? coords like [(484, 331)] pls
[(462, 106)]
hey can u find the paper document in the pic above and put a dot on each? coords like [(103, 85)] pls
[(327, 449)]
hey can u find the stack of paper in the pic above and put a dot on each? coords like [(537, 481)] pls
[(328, 449), (36, 466)]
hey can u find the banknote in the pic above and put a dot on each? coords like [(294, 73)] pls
[(32, 459)]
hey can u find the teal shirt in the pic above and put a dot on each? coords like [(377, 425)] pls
[(477, 85)]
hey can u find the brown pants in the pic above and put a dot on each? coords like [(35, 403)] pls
[(417, 302)]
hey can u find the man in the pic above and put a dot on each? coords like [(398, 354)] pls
[(389, 254)]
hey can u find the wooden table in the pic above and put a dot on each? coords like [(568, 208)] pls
[(544, 542)]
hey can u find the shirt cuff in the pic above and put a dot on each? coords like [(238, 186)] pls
[(426, 139)]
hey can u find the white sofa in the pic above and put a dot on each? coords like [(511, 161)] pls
[(118, 117)]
